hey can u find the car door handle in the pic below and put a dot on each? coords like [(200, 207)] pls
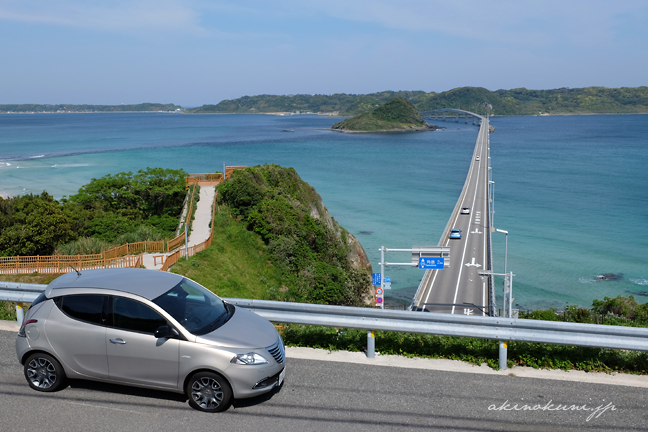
[(118, 341)]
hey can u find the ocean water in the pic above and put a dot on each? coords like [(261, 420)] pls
[(571, 190)]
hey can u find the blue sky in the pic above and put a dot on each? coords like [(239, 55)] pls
[(196, 52)]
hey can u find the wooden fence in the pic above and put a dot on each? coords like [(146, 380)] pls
[(192, 250), (64, 263), (214, 178), (127, 255)]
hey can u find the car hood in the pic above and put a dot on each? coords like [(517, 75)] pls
[(245, 329)]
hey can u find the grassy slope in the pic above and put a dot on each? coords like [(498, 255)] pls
[(236, 265)]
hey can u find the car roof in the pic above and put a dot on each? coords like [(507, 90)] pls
[(145, 283)]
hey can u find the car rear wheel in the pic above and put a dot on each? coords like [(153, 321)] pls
[(44, 373), (209, 392)]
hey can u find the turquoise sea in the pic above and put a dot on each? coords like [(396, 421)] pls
[(572, 191)]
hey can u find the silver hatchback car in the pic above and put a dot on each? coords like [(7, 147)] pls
[(150, 329)]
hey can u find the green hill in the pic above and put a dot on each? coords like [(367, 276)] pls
[(337, 103), (519, 101), (274, 239), (397, 114)]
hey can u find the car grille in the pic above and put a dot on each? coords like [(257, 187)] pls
[(277, 351)]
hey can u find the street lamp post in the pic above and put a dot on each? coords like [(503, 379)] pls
[(492, 202), (506, 272)]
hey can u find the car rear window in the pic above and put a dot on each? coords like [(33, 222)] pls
[(41, 298)]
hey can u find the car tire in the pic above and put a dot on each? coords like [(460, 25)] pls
[(209, 392), (44, 373)]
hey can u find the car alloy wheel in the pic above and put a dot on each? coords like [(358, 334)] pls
[(44, 373), (209, 392)]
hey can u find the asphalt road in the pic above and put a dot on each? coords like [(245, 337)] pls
[(461, 283), (329, 396)]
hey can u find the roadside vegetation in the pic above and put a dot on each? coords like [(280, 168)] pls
[(471, 350), (610, 311)]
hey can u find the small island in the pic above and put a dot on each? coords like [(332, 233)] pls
[(395, 115)]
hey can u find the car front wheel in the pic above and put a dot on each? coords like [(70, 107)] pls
[(209, 392), (44, 373)]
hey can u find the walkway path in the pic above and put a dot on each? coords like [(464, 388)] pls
[(200, 229)]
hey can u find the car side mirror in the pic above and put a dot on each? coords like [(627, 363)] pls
[(166, 332)]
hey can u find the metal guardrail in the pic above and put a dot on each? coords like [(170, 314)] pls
[(498, 328), (20, 292)]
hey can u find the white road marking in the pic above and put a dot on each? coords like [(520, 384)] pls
[(472, 264)]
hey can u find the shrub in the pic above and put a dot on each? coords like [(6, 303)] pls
[(620, 305), (83, 246)]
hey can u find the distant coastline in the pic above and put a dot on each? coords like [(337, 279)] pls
[(514, 102)]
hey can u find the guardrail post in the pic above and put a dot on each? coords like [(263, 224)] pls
[(371, 344), (502, 354), (20, 313)]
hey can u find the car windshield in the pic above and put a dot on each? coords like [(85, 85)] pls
[(198, 310)]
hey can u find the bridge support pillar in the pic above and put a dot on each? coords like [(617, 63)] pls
[(371, 344), (503, 345), (474, 120), (466, 118), (457, 118), (444, 117)]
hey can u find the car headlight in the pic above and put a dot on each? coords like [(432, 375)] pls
[(249, 359)]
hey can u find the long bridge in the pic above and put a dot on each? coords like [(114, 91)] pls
[(446, 113), (459, 288)]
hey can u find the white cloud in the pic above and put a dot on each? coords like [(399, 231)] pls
[(115, 16), (585, 23)]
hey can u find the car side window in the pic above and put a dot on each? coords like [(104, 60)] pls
[(132, 315), (84, 307)]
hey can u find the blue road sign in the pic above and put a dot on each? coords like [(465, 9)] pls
[(431, 263), (375, 278), (387, 279)]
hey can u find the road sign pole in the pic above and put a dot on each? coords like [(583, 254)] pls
[(510, 307), (382, 275)]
